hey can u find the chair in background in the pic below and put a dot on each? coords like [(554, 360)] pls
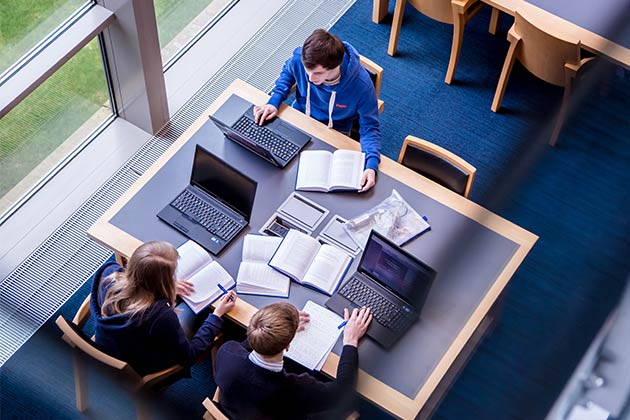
[(437, 164), (376, 74), (552, 59), (84, 349), (455, 12)]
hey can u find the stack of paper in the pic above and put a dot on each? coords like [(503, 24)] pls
[(311, 347)]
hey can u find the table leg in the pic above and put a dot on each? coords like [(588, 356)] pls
[(399, 11), (379, 10), (459, 21)]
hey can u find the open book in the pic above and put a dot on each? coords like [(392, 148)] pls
[(195, 265), (306, 261), (320, 170), (255, 277), (311, 346)]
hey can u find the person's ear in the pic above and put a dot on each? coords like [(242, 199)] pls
[(287, 348)]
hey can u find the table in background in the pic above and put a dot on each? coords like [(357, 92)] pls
[(475, 252), (570, 20)]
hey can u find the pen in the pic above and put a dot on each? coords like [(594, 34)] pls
[(224, 290), (343, 324)]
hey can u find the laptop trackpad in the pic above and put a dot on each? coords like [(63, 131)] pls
[(288, 132), (184, 223)]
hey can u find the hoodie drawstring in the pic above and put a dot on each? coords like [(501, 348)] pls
[(331, 104)]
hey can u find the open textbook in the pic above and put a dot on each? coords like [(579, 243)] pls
[(311, 346), (196, 266), (311, 263), (323, 171), (254, 274)]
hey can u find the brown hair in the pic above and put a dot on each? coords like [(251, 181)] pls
[(272, 328), (324, 49), (150, 277)]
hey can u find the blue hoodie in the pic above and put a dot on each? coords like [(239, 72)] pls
[(151, 342), (354, 96)]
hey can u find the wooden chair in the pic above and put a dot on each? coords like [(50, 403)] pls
[(455, 12), (376, 74), (552, 59), (437, 164), (215, 412), (84, 349)]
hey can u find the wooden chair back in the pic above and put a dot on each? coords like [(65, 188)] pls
[(440, 10), (376, 74), (84, 348), (437, 164), (543, 54)]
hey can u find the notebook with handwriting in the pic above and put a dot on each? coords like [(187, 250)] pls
[(311, 347)]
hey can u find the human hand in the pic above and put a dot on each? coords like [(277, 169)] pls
[(368, 180), (184, 288), (225, 303), (264, 113), (357, 325), (304, 318)]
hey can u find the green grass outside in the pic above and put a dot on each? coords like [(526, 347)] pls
[(58, 107)]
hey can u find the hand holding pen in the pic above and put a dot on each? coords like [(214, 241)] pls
[(226, 302)]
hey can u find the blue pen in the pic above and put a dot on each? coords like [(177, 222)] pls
[(224, 290), (343, 324)]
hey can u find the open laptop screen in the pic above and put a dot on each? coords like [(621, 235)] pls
[(223, 182), (397, 270)]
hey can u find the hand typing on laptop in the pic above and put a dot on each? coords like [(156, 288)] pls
[(264, 113), (356, 326)]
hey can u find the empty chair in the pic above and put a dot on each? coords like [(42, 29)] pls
[(85, 349), (550, 58), (456, 13), (437, 164)]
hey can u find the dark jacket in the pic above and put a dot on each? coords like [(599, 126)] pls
[(251, 392), (150, 342)]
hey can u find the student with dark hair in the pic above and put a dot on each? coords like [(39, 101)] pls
[(255, 385), (134, 312), (333, 88)]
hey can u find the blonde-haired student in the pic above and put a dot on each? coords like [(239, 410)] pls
[(134, 313), (255, 385)]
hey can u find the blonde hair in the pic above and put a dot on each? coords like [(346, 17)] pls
[(272, 328), (150, 277)]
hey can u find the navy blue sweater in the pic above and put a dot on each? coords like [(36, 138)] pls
[(249, 391), (150, 342)]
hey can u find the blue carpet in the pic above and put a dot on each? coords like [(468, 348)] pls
[(574, 196)]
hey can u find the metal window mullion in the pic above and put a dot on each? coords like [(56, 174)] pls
[(21, 83)]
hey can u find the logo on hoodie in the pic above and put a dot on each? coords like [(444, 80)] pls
[(341, 106)]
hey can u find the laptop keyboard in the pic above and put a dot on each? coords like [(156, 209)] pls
[(382, 309), (266, 138), (206, 215)]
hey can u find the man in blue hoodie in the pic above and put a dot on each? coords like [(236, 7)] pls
[(333, 88)]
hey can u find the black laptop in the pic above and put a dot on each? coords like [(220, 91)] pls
[(216, 206), (392, 283), (278, 142)]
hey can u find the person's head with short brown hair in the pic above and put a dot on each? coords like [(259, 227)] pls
[(324, 49), (272, 328)]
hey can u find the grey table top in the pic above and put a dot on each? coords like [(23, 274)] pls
[(467, 256)]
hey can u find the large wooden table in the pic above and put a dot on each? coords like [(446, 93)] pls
[(551, 16), (472, 329)]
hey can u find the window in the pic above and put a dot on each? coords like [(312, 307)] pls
[(48, 124), (179, 21), (23, 24)]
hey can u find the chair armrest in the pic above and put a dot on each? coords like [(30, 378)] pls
[(153, 379), (83, 313), (574, 68), (213, 410), (513, 36)]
